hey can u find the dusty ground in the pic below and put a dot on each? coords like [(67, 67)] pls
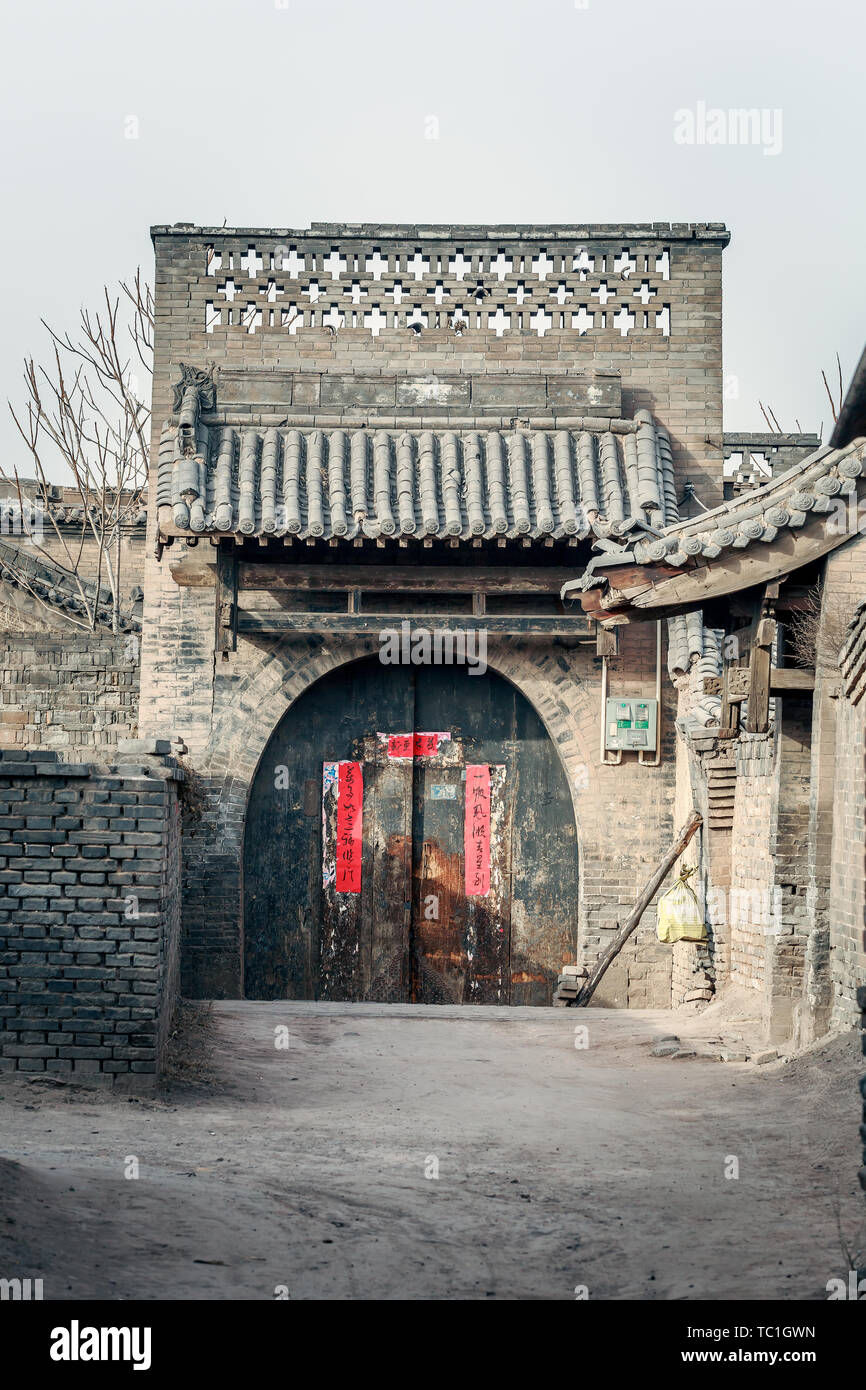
[(601, 1166)]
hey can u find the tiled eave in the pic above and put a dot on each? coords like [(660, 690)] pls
[(355, 483), (754, 538)]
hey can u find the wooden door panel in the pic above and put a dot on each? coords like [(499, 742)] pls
[(303, 940), (387, 909), (345, 954), (488, 917), (439, 964)]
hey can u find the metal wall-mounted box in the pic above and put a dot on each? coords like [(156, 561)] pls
[(631, 725)]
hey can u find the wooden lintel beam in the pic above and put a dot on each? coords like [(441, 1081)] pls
[(349, 624), (422, 578), (199, 571), (784, 680)]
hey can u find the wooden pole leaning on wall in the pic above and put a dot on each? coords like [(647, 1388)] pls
[(638, 910)]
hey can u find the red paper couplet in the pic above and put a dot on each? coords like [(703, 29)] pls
[(350, 793), (413, 745), (476, 840)]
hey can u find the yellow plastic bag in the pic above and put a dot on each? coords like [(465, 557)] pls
[(679, 915)]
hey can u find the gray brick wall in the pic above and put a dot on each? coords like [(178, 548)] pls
[(836, 866), (847, 961), (68, 691), (769, 906), (792, 863), (861, 1000), (89, 917), (752, 871)]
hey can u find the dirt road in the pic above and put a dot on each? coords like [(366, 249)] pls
[(313, 1168)]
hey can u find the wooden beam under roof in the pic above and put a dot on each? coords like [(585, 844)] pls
[(463, 579), (199, 571), (784, 680), (268, 622)]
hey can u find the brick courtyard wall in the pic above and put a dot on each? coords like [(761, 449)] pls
[(794, 860), (769, 905), (831, 769), (791, 924), (89, 917), (750, 902), (87, 556), (861, 999), (753, 794), (848, 846), (63, 539), (68, 691), (698, 968)]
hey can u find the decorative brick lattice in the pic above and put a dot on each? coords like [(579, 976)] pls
[(522, 288)]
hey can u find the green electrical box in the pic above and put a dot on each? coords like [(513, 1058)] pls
[(631, 724)]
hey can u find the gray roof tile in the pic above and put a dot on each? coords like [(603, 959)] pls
[(450, 484)]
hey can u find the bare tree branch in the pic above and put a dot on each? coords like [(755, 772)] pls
[(767, 418), (87, 413)]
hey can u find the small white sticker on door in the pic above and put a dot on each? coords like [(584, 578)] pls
[(448, 792)]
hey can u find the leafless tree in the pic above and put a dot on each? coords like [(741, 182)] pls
[(86, 416), (835, 406), (818, 630), (772, 423)]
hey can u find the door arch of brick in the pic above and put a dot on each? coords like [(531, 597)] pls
[(273, 677), (506, 944)]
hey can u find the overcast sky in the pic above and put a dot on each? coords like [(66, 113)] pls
[(278, 112)]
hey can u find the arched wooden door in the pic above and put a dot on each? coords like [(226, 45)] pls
[(409, 837)]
